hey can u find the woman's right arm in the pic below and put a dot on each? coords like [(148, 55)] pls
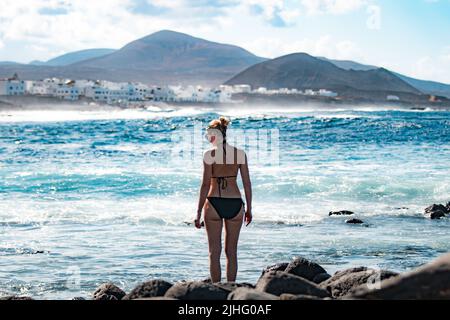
[(245, 174), (204, 188)]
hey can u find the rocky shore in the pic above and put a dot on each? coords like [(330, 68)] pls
[(299, 279), (302, 279)]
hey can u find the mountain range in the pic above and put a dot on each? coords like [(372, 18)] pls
[(302, 71), (168, 57), (73, 57)]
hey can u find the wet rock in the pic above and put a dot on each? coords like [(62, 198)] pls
[(231, 286), (436, 211), (279, 282), (15, 298), (196, 290), (108, 291), (148, 289), (430, 281), (78, 299), (447, 206), (341, 213), (321, 277), (276, 267), (435, 215), (354, 221), (347, 281), (304, 268), (289, 296), (250, 294), (156, 298)]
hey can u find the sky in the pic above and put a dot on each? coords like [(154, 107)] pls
[(407, 36)]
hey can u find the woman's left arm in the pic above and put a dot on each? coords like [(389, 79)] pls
[(206, 183)]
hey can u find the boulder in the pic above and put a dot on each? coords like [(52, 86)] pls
[(231, 286), (276, 267), (108, 291), (354, 221), (304, 268), (15, 298), (347, 281), (196, 290), (152, 288), (447, 206), (321, 277), (289, 296), (250, 294), (156, 298), (431, 282), (435, 215), (341, 213), (436, 211), (279, 282)]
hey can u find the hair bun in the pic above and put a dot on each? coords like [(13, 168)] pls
[(224, 121)]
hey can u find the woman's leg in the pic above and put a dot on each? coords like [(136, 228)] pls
[(232, 231), (213, 225)]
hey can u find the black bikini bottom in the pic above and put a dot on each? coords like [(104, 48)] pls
[(226, 208)]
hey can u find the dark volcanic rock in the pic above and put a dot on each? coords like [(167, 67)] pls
[(347, 281), (354, 221), (289, 296), (431, 281), (250, 294), (11, 298), (279, 282), (196, 290), (156, 298), (321, 277), (231, 286), (304, 268), (447, 206), (276, 267), (108, 291), (436, 211), (437, 215), (152, 288), (341, 213)]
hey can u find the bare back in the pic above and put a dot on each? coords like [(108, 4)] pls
[(227, 169)]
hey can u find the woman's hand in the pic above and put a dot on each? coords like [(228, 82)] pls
[(197, 222), (248, 217)]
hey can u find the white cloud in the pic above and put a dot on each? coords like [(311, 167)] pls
[(435, 68), (88, 24), (332, 6)]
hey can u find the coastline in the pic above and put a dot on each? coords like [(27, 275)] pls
[(298, 279), (254, 100)]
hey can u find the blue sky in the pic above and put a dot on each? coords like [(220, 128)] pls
[(408, 36)]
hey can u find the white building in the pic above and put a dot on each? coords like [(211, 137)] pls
[(166, 94), (67, 91), (97, 93), (242, 88), (392, 98), (12, 86), (327, 93), (261, 90)]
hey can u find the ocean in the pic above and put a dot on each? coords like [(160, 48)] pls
[(88, 197)]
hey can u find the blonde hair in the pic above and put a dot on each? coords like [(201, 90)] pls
[(221, 123)]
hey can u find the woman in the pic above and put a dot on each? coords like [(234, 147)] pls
[(221, 199)]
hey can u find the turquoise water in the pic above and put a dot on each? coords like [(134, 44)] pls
[(88, 197)]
